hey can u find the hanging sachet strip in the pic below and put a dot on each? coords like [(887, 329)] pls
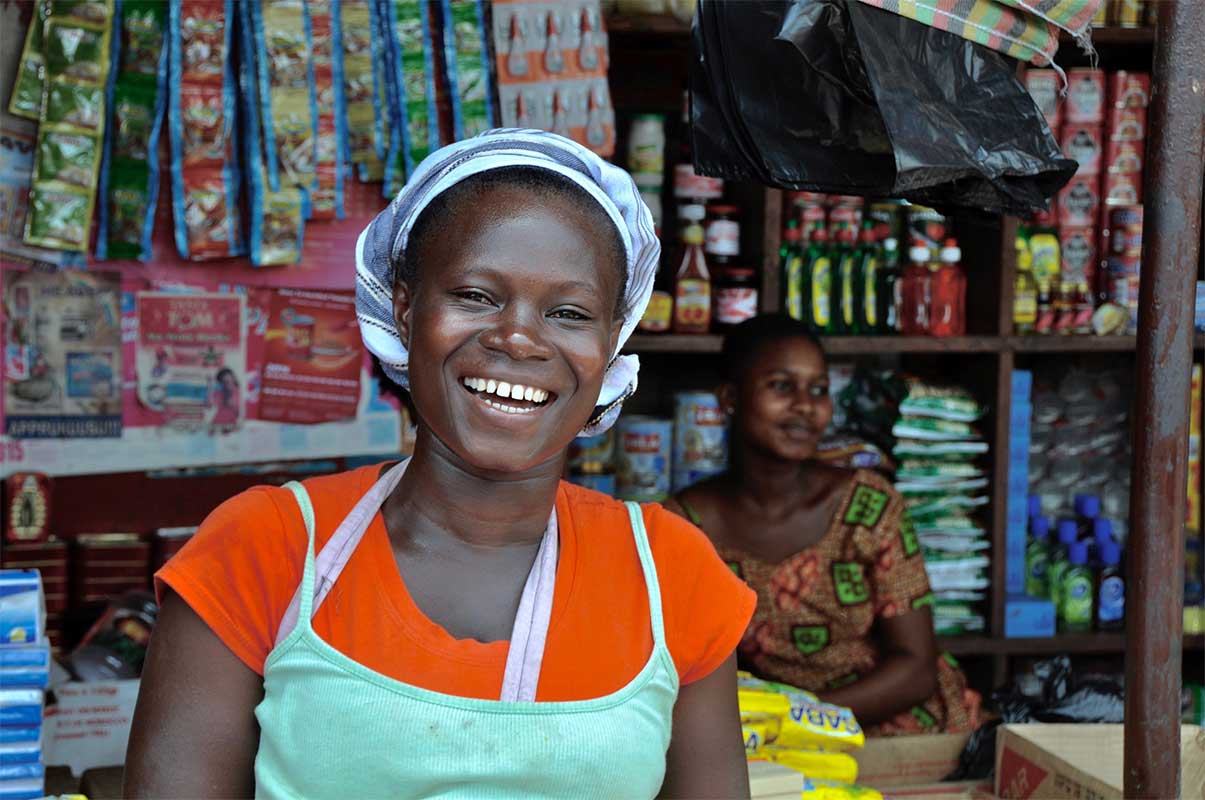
[(468, 67)]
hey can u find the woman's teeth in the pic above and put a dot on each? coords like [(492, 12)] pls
[(507, 391)]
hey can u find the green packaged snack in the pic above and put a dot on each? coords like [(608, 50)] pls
[(75, 105), (133, 120), (77, 51), (26, 100), (94, 11), (67, 158), (58, 217), (127, 213), (142, 37)]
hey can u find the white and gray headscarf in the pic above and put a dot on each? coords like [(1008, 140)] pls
[(381, 245)]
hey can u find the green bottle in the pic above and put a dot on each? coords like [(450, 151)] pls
[(869, 261), (845, 290), (888, 275), (1037, 558), (1078, 591), (818, 283), (791, 256), (1058, 560)]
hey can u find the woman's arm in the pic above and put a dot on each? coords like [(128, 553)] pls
[(706, 754), (906, 675), (194, 732)]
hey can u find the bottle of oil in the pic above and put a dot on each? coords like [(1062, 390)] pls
[(887, 291), (1025, 291), (791, 258), (845, 284), (818, 283)]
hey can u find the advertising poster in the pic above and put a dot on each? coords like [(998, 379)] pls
[(191, 359), (62, 354), (312, 358)]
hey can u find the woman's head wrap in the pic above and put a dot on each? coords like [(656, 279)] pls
[(381, 245)]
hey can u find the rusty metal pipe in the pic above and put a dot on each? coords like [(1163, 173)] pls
[(1154, 638)]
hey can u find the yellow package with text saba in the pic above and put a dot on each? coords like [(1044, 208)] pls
[(815, 764)]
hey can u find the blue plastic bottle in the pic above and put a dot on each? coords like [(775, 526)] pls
[(1087, 511), (1110, 590)]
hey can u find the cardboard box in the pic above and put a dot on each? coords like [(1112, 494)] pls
[(893, 761), (769, 781), (1080, 761), (1028, 617)]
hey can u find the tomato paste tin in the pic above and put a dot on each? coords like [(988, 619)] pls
[(1122, 156), (1085, 95), (700, 438), (1083, 142), (1125, 231), (1126, 125), (1077, 248), (1043, 87), (1079, 201), (644, 449), (1123, 188), (1129, 89)]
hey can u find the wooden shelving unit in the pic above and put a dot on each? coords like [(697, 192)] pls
[(985, 360)]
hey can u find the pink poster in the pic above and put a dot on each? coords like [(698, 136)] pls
[(311, 359)]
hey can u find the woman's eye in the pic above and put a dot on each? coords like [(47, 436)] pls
[(569, 314), (819, 391), (781, 386), (474, 296)]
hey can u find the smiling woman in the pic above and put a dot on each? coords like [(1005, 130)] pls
[(462, 623)]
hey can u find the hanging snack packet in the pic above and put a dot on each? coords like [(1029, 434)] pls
[(26, 99), (413, 63), (355, 20), (76, 65), (287, 115), (129, 180), (277, 218), (326, 197), (467, 59), (201, 108)]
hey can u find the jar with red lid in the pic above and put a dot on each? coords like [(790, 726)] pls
[(735, 296)]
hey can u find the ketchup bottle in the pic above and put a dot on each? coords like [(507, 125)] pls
[(947, 293)]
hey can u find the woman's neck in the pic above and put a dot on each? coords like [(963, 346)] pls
[(773, 484), (441, 494)]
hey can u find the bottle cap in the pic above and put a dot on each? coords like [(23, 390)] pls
[(1039, 527), (792, 233), (919, 253), (1102, 531), (951, 253), (867, 234), (693, 234), (723, 210), (820, 235), (890, 244), (693, 212), (1067, 531), (739, 273), (1035, 505), (1077, 553), (1087, 506), (1110, 554)]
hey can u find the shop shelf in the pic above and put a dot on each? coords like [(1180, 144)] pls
[(1113, 36), (674, 343), (645, 24), (1083, 344), (858, 345), (1070, 644)]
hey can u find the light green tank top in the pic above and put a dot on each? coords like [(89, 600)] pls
[(332, 728)]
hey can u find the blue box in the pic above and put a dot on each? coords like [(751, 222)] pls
[(1028, 617), (1022, 382), (22, 607)]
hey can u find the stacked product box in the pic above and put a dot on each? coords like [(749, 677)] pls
[(1194, 557), (1024, 616), (24, 676)]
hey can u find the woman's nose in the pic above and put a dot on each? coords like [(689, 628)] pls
[(518, 334)]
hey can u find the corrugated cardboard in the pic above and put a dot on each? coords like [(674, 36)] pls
[(1080, 761), (893, 761), (959, 790)]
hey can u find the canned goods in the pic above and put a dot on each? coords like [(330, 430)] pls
[(1122, 282), (1123, 157), (1043, 87), (885, 215), (736, 297), (1082, 142), (1125, 231), (1126, 124), (644, 449), (1077, 248), (723, 237), (604, 482), (700, 438), (808, 208), (1129, 13), (1079, 201), (1085, 95), (1123, 189), (592, 454), (1129, 89), (690, 185)]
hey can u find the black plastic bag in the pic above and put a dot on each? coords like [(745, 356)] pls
[(836, 96)]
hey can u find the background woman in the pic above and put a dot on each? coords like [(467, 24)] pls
[(462, 623), (843, 597)]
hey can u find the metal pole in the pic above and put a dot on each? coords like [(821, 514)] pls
[(1171, 237)]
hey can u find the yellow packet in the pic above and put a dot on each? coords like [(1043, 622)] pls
[(815, 764), (754, 734), (769, 723), (815, 725), (755, 702), (745, 680), (833, 790)]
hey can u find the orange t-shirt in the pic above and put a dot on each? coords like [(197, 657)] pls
[(242, 568)]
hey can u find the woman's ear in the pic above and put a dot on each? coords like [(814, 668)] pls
[(726, 394), (403, 307)]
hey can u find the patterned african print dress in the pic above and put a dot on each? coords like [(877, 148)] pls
[(813, 627)]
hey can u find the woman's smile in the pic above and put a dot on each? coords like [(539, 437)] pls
[(508, 397)]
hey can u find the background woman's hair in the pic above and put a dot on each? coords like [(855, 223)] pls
[(442, 211), (746, 339)]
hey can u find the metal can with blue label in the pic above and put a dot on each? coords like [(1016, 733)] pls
[(700, 438), (644, 447), (599, 482)]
